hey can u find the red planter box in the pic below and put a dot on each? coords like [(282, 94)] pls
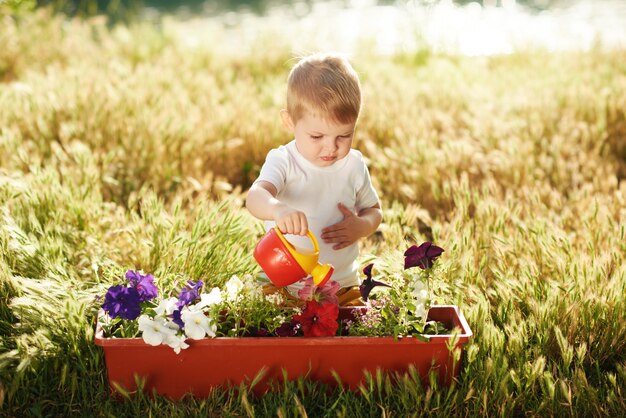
[(221, 361)]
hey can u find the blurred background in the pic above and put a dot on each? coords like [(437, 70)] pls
[(461, 26)]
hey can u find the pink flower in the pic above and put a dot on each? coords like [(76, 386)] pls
[(306, 293), (325, 293), (328, 292), (319, 320)]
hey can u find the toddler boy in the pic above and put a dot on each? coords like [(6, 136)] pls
[(317, 181)]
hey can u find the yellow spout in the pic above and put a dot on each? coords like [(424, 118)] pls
[(321, 273), (309, 262)]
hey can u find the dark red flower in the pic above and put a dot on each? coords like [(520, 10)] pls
[(318, 320), (261, 332), (288, 329), (368, 284), (422, 256)]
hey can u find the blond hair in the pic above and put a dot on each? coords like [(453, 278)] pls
[(325, 85)]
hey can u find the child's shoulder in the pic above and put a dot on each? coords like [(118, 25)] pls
[(355, 153), (356, 156), (280, 155), (282, 151)]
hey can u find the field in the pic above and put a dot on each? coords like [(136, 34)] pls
[(125, 148)]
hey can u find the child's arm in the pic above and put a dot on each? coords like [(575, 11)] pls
[(353, 226), (262, 203)]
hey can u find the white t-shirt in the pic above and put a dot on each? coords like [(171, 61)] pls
[(316, 191)]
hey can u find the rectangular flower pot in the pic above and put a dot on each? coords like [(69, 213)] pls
[(215, 362)]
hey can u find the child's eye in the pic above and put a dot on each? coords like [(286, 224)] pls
[(316, 136)]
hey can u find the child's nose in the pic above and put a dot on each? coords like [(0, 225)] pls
[(331, 144)]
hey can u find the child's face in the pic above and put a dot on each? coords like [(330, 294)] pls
[(320, 141)]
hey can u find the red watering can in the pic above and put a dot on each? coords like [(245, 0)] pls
[(284, 265)]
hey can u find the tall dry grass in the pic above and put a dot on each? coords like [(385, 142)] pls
[(124, 148)]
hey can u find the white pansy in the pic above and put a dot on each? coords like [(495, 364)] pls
[(177, 342), (173, 325), (166, 307), (234, 286), (420, 311), (197, 324), (154, 331), (212, 298), (420, 291)]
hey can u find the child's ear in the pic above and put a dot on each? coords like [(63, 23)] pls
[(287, 121)]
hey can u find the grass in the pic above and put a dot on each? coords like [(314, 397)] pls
[(123, 148)]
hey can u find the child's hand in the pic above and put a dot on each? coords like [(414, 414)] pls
[(291, 221), (345, 232)]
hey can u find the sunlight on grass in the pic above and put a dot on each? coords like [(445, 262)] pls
[(121, 149)]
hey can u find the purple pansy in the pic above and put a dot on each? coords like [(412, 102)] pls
[(177, 319), (144, 284), (422, 256), (122, 301), (368, 284), (189, 293)]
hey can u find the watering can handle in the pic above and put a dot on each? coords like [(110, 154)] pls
[(309, 234)]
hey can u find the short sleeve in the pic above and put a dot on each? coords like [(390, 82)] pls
[(274, 169), (366, 196)]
